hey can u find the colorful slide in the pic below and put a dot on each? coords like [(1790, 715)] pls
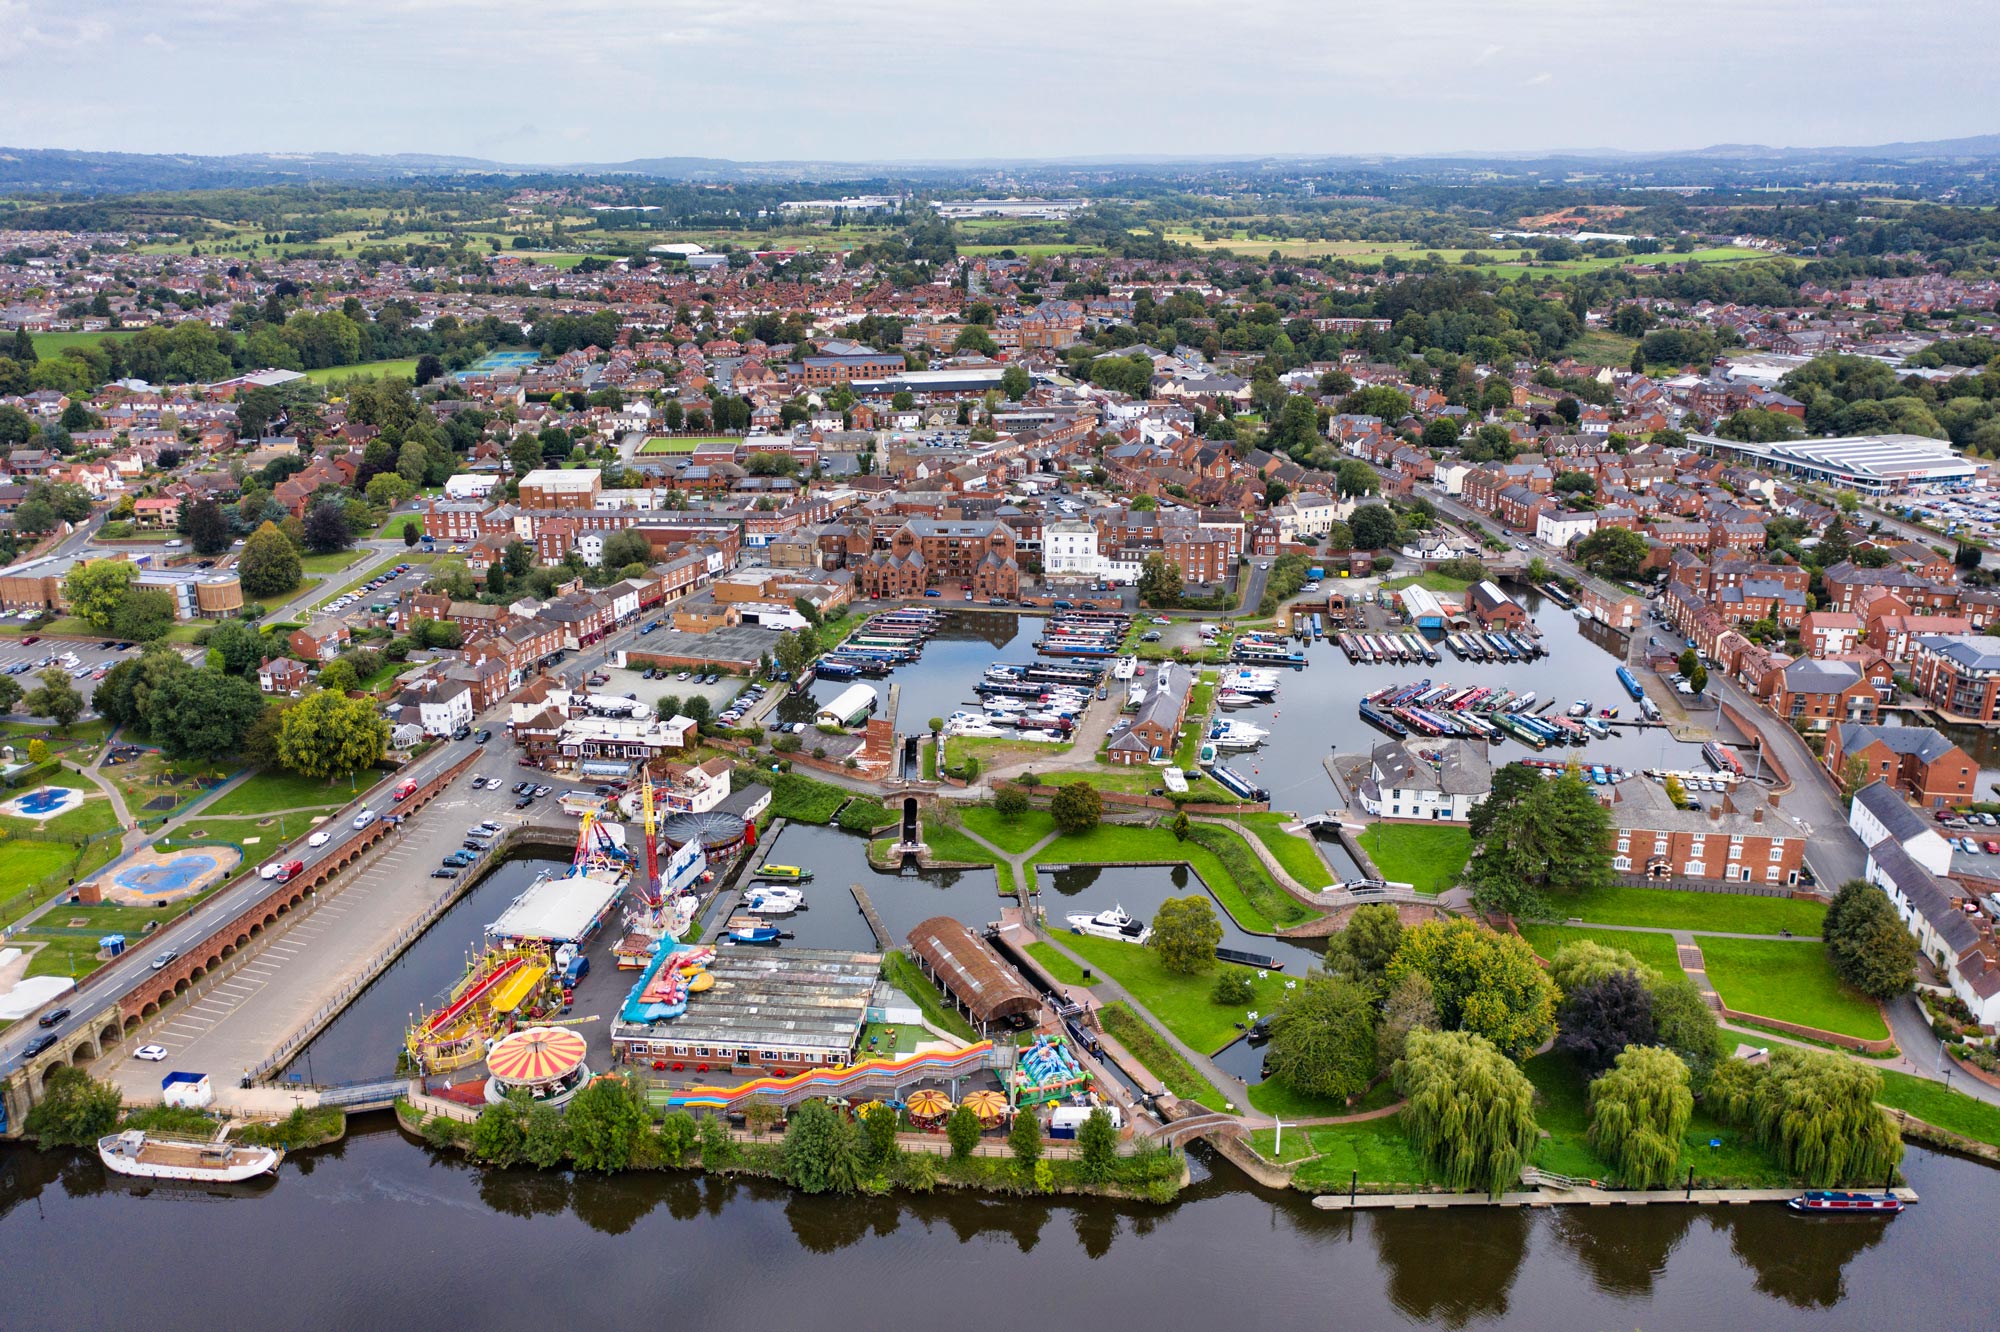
[(449, 1015), (869, 1077)]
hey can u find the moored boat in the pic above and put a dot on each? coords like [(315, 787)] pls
[(135, 1152), (1843, 1202), (1112, 924), (786, 873)]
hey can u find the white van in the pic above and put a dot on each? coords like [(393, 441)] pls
[(1067, 1119)]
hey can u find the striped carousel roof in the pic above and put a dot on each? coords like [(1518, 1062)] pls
[(536, 1054)]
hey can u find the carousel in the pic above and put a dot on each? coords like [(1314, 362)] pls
[(545, 1062)]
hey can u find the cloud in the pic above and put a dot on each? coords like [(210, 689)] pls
[(1538, 80)]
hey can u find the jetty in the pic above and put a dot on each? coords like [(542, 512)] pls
[(883, 939)]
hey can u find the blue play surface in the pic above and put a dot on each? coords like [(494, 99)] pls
[(506, 360), (44, 801), (173, 878)]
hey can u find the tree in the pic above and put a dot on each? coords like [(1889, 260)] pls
[(235, 648), (1638, 1112), (326, 734), (1323, 1039), (202, 714), (1015, 383), (1586, 961), (878, 1135), (56, 699), (1024, 1138), (606, 1120), (1010, 803), (1180, 826), (1373, 526), (1367, 943), (822, 1153), (1553, 841), (411, 534), (499, 1135), (1470, 1111), (1407, 1008), (269, 564), (1096, 1145), (207, 530), (10, 694), (1482, 982), (626, 547), (796, 650), (1185, 934), (1688, 662), (962, 1130), (1233, 988), (1815, 1110), (1600, 1018), (95, 589), (1684, 1023), (338, 676), (1612, 551), (1160, 582), (326, 527), (1076, 808), (1866, 941), (545, 1136), (75, 1110), (1354, 477), (145, 614), (1698, 679), (1511, 783)]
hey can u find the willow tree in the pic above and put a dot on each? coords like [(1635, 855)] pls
[(1638, 1112), (1471, 1110), (1815, 1110)]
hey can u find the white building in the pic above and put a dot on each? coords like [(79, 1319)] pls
[(1558, 529), (1435, 780), (470, 485), (1071, 548), (444, 709), (1952, 928)]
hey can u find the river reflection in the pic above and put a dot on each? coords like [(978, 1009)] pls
[(384, 1232)]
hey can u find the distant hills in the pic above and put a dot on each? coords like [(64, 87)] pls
[(57, 170)]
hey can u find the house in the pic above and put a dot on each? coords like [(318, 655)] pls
[(1878, 814), (1824, 692), (157, 511), (1426, 779), (1149, 735), (321, 642), (282, 675), (1916, 760), (442, 708), (1740, 837)]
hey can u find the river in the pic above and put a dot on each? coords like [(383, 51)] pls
[(379, 1231)]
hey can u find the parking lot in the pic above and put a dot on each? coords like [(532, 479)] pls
[(84, 662), (626, 682), (381, 589), (1971, 837)]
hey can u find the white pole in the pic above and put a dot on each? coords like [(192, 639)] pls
[(1278, 1143)]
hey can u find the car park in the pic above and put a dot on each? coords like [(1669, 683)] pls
[(152, 1054)]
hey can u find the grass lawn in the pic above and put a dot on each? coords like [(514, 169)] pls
[(144, 781), (1064, 970), (1669, 909), (1430, 856), (1653, 950), (1161, 1059), (1791, 982), (61, 954), (1562, 1109), (799, 798), (948, 843), (392, 529), (24, 868), (51, 345), (1935, 1103), (267, 792), (1249, 894), (333, 561), (1297, 854), (659, 444), (1275, 1098), (1015, 836), (1377, 1150), (1144, 780), (902, 973), (1432, 581), (402, 367), (1180, 1003)]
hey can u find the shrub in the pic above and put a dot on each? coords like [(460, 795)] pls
[(1233, 988)]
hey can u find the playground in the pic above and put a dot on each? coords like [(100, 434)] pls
[(659, 444), (152, 878), (44, 802)]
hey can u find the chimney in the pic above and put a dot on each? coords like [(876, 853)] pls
[(1772, 799), (1757, 814), (1715, 813)]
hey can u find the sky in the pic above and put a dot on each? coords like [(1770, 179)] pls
[(571, 81)]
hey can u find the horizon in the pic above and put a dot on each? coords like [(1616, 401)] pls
[(624, 80)]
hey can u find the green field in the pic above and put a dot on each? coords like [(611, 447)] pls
[(266, 792), (1064, 970), (401, 367), (1937, 1104), (1431, 581), (1430, 856), (52, 344), (1249, 894), (1161, 1059), (1015, 836), (1653, 950), (1673, 909), (1297, 854), (948, 843), (1180, 1003), (25, 865), (658, 444), (1275, 1098), (333, 561), (1791, 982)]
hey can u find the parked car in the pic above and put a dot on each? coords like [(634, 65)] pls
[(541, 791), (524, 802), (485, 734), (152, 1054)]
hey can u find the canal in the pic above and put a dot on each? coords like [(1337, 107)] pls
[(379, 1231)]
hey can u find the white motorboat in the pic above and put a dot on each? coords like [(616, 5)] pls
[(1236, 698), (766, 899), (1232, 734), (136, 1153), (1112, 924), (1175, 780)]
